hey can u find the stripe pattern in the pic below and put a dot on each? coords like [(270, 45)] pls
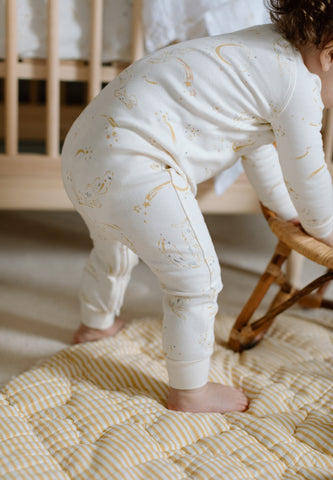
[(97, 411)]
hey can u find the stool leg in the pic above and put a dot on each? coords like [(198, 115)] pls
[(294, 269), (316, 299), (295, 297), (242, 333)]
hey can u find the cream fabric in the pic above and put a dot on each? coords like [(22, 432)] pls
[(96, 411), (200, 105), (150, 211)]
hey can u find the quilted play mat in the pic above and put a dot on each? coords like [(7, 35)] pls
[(96, 411)]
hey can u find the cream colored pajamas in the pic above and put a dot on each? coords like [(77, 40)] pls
[(133, 158)]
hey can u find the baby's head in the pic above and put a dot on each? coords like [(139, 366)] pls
[(303, 22), (308, 25)]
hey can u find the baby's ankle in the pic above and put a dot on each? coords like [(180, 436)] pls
[(181, 397)]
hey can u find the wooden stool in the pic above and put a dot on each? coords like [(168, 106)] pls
[(290, 237)]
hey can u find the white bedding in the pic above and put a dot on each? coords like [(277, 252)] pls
[(164, 21), (74, 26)]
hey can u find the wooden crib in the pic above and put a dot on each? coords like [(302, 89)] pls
[(32, 180)]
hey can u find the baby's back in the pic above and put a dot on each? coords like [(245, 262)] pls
[(202, 103)]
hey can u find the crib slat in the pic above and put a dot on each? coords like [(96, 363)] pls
[(96, 41), (137, 31), (11, 80), (53, 85)]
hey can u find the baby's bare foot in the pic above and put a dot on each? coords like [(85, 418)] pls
[(212, 397), (88, 334)]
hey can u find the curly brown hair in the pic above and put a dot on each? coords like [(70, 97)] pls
[(303, 21)]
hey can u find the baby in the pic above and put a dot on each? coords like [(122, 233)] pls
[(134, 157)]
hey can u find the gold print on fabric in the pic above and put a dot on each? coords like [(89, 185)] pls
[(163, 118), (247, 118), (147, 203), (178, 306), (162, 57), (304, 154), (155, 166), (149, 198), (219, 48), (191, 132), (188, 77), (278, 184), (121, 93), (292, 192), (236, 146), (129, 101), (85, 153), (275, 108), (149, 81), (124, 238), (191, 257), (317, 97), (219, 53), (317, 171), (283, 52), (206, 340), (94, 191), (167, 55), (280, 130), (114, 126)]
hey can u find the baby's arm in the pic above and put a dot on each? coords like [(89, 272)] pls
[(299, 141), (263, 170), (301, 156)]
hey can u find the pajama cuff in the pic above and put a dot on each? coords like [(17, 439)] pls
[(188, 375), (94, 319)]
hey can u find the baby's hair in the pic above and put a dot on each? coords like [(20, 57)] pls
[(303, 21)]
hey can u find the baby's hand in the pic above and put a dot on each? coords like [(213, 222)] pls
[(295, 221)]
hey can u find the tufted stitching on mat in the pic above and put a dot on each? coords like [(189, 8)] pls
[(97, 411)]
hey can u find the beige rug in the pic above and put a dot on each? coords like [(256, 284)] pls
[(96, 411)]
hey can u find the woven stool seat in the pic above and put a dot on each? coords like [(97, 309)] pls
[(290, 238)]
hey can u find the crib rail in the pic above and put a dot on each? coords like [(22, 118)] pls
[(53, 86), (32, 180)]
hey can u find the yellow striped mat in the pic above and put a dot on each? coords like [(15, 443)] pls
[(96, 411)]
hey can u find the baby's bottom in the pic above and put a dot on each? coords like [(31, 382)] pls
[(156, 216)]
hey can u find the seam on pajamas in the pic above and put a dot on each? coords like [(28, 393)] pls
[(190, 223)]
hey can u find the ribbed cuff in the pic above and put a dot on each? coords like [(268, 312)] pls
[(188, 375), (93, 319)]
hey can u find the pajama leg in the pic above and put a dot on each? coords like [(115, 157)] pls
[(190, 294), (151, 209), (104, 281), (164, 221)]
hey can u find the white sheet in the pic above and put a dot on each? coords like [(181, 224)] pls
[(166, 21), (74, 26)]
